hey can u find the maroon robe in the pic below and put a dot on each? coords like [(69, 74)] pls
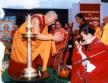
[(100, 73)]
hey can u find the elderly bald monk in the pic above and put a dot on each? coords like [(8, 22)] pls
[(98, 31), (104, 38), (43, 45)]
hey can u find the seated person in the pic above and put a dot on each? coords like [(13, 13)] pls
[(42, 46)]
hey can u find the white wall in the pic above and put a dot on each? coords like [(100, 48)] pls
[(90, 1), (72, 12), (76, 9), (28, 4), (104, 11), (57, 4)]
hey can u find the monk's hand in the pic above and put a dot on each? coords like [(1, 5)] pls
[(58, 36)]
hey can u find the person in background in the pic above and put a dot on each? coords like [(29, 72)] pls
[(76, 35), (82, 22), (53, 27), (98, 31), (68, 51), (105, 20), (61, 45), (104, 38)]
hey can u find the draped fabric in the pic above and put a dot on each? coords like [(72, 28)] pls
[(38, 47), (104, 38), (99, 74)]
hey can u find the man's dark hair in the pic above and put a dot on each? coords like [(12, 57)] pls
[(87, 29)]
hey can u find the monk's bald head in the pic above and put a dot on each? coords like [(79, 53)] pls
[(105, 19), (50, 17), (52, 14)]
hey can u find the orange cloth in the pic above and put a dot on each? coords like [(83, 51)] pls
[(66, 56), (39, 47), (60, 45), (98, 32), (104, 38), (67, 53)]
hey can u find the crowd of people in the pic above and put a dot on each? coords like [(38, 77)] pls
[(86, 47)]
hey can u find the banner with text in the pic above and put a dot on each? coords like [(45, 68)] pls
[(91, 12)]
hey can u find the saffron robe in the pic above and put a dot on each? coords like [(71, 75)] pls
[(38, 47), (104, 38)]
